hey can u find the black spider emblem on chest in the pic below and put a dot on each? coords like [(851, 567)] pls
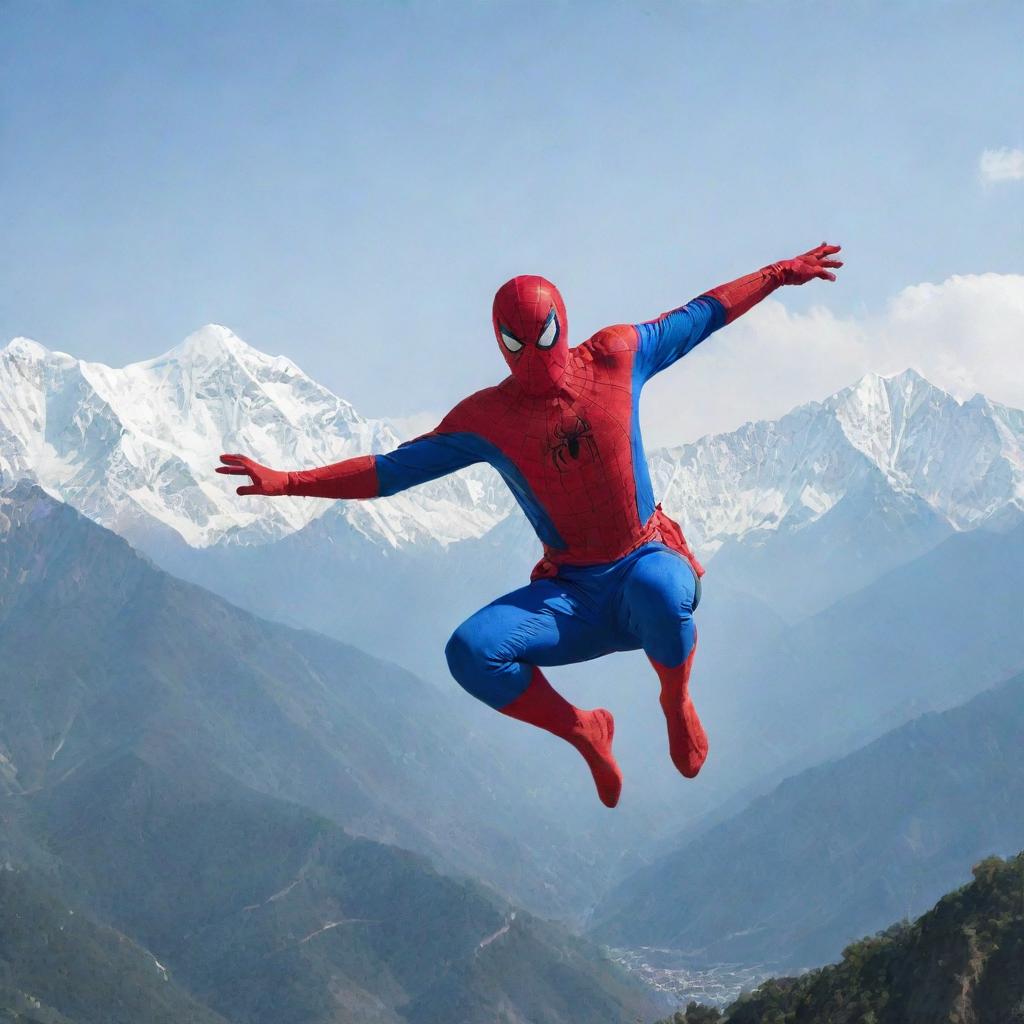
[(570, 441)]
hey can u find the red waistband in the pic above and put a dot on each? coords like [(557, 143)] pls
[(660, 527)]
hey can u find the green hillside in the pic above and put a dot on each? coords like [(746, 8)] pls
[(149, 737), (961, 963), (102, 652), (60, 966), (270, 914)]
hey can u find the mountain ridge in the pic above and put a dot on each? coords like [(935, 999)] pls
[(102, 650), (960, 962), (134, 448), (841, 848), (320, 927)]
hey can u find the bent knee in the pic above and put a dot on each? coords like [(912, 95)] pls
[(473, 659), (669, 638), (483, 668), (464, 654)]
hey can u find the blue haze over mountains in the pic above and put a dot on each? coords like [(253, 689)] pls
[(840, 850), (181, 775), (851, 588)]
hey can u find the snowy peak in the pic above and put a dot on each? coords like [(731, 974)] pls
[(136, 447), (215, 348), (874, 412), (25, 350), (966, 460), (211, 343)]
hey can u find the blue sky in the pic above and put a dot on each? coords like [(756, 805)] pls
[(348, 183)]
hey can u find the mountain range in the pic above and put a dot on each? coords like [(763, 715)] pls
[(135, 447), (866, 567), (841, 849), (862, 509), (103, 652), (174, 781), (827, 498)]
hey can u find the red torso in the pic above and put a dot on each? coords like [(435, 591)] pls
[(573, 448)]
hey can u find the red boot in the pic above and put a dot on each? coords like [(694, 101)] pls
[(687, 741), (590, 732)]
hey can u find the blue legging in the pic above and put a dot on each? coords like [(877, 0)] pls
[(645, 600)]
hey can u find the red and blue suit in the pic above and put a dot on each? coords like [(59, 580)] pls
[(563, 431)]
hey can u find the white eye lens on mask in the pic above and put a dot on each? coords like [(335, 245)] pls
[(512, 343), (550, 333)]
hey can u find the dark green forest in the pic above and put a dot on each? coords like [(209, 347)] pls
[(961, 963)]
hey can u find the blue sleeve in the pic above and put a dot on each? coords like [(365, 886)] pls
[(422, 459), (671, 336)]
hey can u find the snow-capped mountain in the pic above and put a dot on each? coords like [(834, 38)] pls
[(134, 448), (965, 460)]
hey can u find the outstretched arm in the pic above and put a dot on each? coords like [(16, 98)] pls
[(366, 476), (738, 296), (679, 331)]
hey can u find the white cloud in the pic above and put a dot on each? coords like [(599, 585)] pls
[(965, 335), (1004, 164)]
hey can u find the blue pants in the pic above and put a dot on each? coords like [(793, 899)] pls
[(645, 600)]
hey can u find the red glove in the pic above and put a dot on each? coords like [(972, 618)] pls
[(263, 479), (810, 265), (352, 478), (738, 296)]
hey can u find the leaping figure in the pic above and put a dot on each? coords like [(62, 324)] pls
[(563, 430)]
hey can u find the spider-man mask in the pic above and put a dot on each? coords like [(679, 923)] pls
[(532, 332)]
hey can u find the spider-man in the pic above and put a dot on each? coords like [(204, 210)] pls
[(563, 431)]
